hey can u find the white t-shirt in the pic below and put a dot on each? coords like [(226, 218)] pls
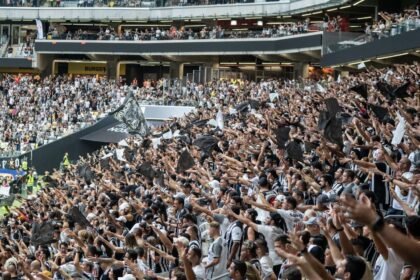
[(270, 233), (266, 267), (388, 269), (408, 198), (216, 251), (199, 271), (291, 217)]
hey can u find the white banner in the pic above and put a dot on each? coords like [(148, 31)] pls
[(39, 29)]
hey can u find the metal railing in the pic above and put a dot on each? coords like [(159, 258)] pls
[(338, 41), (144, 3)]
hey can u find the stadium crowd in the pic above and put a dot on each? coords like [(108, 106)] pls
[(313, 183), (38, 111), (182, 33), (391, 24)]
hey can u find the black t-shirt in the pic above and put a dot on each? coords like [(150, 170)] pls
[(318, 253), (379, 187), (320, 240)]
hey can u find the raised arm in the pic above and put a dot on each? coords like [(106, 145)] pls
[(262, 206), (165, 240), (242, 219), (201, 209), (403, 246)]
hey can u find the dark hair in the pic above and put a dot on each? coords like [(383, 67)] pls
[(283, 239), (305, 236), (187, 185), (299, 193), (253, 213), (197, 251), (148, 216), (180, 200), (132, 254), (117, 271), (292, 201), (236, 209), (328, 178), (369, 194), (240, 266), (195, 230), (95, 252), (140, 252), (262, 244), (237, 199), (361, 241), (190, 217), (278, 221), (350, 173), (273, 173), (292, 273), (412, 223), (356, 266)]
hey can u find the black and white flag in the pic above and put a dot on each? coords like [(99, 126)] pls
[(131, 114)]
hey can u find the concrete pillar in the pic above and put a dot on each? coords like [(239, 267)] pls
[(300, 70), (176, 70), (111, 66), (44, 64)]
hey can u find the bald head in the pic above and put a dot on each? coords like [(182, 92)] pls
[(35, 266)]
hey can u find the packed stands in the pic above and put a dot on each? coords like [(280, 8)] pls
[(265, 180)]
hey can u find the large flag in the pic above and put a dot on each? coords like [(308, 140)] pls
[(131, 115), (42, 233), (399, 131), (282, 136), (185, 161), (39, 29), (360, 89), (220, 120), (78, 217)]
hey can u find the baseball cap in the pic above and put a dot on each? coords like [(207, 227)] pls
[(121, 219), (179, 195), (311, 221), (322, 199), (280, 197)]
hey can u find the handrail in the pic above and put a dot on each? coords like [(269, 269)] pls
[(4, 48)]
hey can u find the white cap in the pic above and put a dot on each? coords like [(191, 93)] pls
[(280, 197), (214, 184), (90, 217), (121, 219), (123, 206), (127, 277)]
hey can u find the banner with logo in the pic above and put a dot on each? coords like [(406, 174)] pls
[(39, 29)]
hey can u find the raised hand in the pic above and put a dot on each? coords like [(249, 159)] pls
[(362, 211)]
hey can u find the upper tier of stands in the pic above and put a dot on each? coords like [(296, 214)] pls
[(258, 8)]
